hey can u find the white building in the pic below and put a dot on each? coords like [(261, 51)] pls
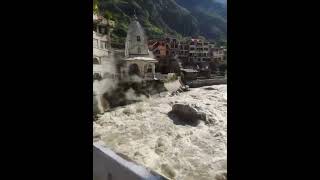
[(138, 60), (102, 55), (218, 54)]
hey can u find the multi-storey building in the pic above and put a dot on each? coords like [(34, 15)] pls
[(159, 48), (193, 53), (173, 45), (184, 53), (219, 54), (198, 51), (101, 47), (165, 50)]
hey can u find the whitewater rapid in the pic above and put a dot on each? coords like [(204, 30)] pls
[(146, 134)]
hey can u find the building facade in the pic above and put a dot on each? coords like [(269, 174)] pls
[(198, 51), (101, 47), (219, 54)]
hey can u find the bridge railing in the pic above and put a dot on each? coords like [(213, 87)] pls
[(108, 165)]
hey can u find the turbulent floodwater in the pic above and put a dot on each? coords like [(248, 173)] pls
[(146, 134)]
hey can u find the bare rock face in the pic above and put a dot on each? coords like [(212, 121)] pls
[(188, 112)]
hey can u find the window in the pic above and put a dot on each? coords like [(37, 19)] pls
[(139, 50), (103, 44), (96, 61), (97, 76), (95, 43), (102, 30), (138, 38)]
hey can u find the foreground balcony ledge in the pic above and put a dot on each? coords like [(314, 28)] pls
[(107, 165)]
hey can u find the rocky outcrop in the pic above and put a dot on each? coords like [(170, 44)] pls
[(188, 113)]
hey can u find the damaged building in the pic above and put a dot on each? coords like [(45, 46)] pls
[(138, 60), (130, 70), (102, 54)]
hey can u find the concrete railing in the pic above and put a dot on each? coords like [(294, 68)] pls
[(107, 165)]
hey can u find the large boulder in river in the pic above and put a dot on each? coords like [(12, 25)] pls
[(188, 113)]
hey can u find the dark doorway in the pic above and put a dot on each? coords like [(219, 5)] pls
[(134, 70)]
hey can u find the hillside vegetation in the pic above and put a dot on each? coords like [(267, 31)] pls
[(182, 18)]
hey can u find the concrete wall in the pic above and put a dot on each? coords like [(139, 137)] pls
[(107, 165), (206, 82)]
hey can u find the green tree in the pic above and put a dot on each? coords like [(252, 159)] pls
[(95, 6), (108, 15)]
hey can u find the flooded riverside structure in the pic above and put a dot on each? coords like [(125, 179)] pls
[(121, 77), (101, 46), (142, 115), (138, 60)]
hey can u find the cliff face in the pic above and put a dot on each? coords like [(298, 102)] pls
[(207, 18)]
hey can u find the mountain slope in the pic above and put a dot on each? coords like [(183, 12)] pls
[(177, 17), (211, 15)]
